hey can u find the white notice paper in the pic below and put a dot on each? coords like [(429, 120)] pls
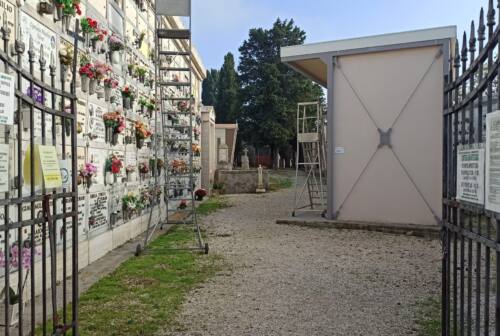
[(493, 161), (470, 175), (4, 167), (6, 99)]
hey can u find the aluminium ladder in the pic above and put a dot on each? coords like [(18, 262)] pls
[(310, 195)]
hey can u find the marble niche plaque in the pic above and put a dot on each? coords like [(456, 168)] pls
[(98, 216), (98, 157), (41, 35), (96, 124), (82, 223)]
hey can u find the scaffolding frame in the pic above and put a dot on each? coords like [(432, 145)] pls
[(174, 56), (310, 196)]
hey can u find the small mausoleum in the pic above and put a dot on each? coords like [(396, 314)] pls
[(384, 122)]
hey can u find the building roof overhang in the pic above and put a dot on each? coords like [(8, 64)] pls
[(311, 59)]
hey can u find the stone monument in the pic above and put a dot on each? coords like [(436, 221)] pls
[(245, 162), (260, 180), (223, 158)]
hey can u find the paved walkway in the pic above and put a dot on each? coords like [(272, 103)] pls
[(287, 280)]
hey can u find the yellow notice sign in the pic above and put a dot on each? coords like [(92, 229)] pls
[(37, 174), (49, 163), (46, 165)]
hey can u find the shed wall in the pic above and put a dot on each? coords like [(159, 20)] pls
[(401, 184)]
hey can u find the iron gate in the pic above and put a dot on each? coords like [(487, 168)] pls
[(471, 234), (39, 252)]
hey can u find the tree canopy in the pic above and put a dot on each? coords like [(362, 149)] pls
[(270, 90), (227, 107), (209, 88)]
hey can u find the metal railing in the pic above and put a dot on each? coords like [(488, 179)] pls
[(471, 233), (39, 251)]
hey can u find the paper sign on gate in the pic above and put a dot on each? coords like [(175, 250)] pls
[(493, 161), (46, 166), (49, 163), (4, 168), (7, 98)]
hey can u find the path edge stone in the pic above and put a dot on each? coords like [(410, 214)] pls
[(425, 231)]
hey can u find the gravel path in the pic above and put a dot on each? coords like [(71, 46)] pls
[(288, 280)]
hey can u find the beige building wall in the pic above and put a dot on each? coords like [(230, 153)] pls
[(401, 184), (208, 147)]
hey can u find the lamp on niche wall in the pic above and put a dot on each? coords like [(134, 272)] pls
[(45, 7)]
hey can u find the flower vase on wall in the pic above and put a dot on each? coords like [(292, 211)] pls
[(114, 138), (107, 93), (139, 142), (100, 93), (92, 86), (110, 179), (108, 134), (112, 219), (66, 21), (126, 103), (59, 11), (127, 214), (94, 44), (88, 181), (85, 83), (115, 57)]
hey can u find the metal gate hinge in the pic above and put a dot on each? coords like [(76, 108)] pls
[(385, 138)]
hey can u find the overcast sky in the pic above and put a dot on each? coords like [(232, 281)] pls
[(220, 26)]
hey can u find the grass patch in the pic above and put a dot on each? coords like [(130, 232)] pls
[(143, 294), (212, 205), (429, 317), (278, 182)]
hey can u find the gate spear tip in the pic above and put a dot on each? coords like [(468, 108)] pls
[(491, 14), (464, 47), (482, 28), (457, 55), (472, 40), (42, 58)]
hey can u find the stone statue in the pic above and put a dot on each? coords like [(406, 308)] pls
[(245, 162), (260, 180)]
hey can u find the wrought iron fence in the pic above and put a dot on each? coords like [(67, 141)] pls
[(471, 234), (39, 252)]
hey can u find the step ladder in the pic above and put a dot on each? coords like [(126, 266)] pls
[(174, 94), (311, 194)]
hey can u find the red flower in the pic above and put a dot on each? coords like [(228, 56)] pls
[(116, 165)]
